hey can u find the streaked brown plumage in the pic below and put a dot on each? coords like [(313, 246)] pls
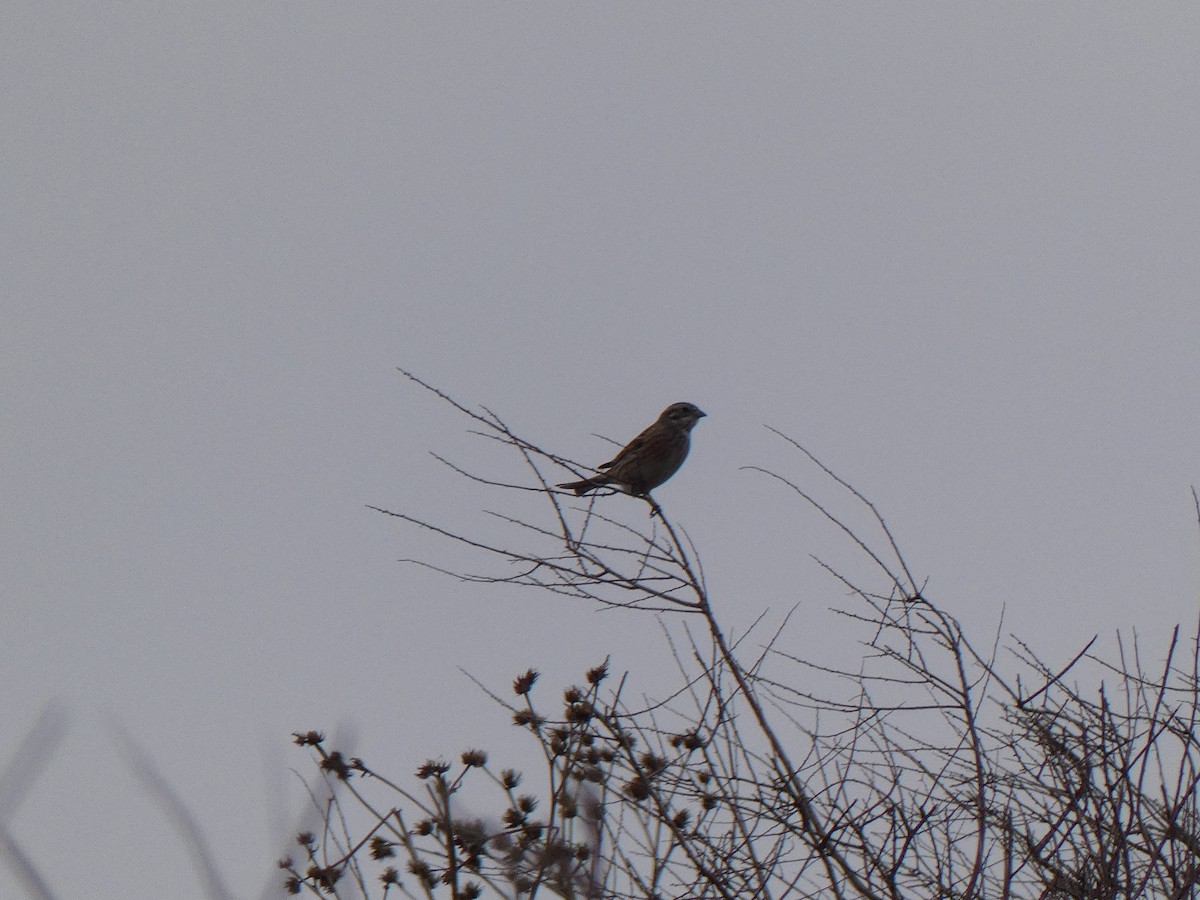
[(650, 458)]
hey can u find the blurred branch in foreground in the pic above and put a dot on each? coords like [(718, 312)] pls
[(32, 756)]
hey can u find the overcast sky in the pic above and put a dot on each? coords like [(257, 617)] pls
[(952, 249)]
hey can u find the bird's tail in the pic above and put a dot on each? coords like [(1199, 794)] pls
[(588, 484)]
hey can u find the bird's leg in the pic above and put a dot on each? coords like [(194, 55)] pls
[(655, 509)]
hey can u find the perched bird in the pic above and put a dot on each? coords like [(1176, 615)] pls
[(650, 458)]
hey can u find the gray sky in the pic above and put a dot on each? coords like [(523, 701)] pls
[(952, 249)]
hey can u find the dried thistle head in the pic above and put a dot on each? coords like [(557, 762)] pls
[(334, 762), (524, 682), (423, 871), (324, 877), (580, 712), (527, 718), (381, 848), (474, 758), (637, 788), (513, 818), (688, 740), (651, 763), (433, 768)]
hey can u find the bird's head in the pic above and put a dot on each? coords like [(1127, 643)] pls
[(682, 415)]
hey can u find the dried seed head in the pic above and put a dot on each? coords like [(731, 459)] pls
[(638, 788), (336, 764), (524, 682), (527, 718), (474, 758), (381, 848), (433, 768)]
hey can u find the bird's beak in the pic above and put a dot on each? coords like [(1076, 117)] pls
[(702, 412)]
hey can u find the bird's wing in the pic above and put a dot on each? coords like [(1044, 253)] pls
[(632, 447)]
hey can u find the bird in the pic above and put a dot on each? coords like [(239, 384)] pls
[(650, 458)]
